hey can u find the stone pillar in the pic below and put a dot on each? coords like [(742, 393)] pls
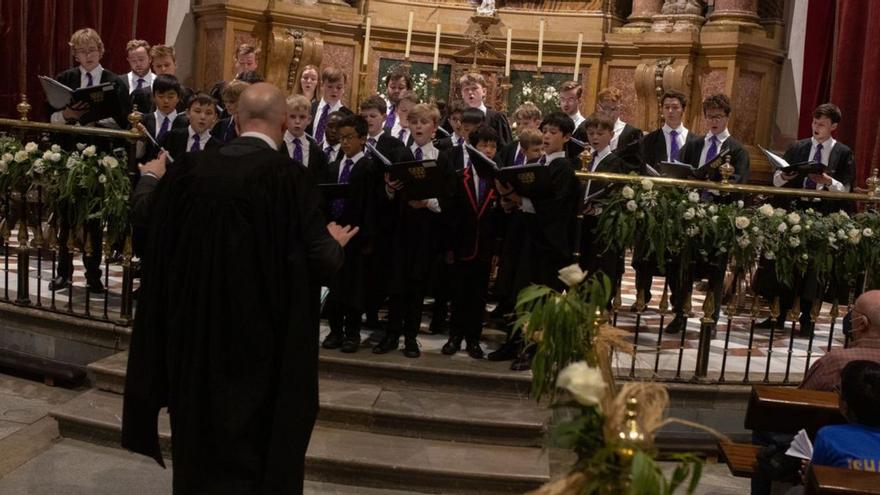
[(642, 12), (735, 13), (678, 16)]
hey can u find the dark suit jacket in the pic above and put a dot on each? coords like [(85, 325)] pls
[(224, 130), (506, 156), (841, 166), (317, 165), (175, 142), (739, 158), (653, 147), (628, 135), (310, 130), (72, 78)]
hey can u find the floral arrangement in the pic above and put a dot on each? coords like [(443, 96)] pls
[(544, 96), (81, 185), (673, 221), (612, 440)]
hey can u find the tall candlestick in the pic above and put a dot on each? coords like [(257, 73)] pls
[(577, 57), (408, 34), (507, 57), (541, 43), (366, 42), (437, 48)]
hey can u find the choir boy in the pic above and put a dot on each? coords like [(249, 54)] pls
[(138, 56), (415, 241), (332, 89), (473, 93), (166, 94), (661, 145), (473, 217), (297, 144), (345, 302), (716, 114), (527, 117), (88, 49), (225, 130), (374, 110), (332, 149), (398, 83), (404, 107), (821, 147), (454, 121), (546, 242), (202, 115), (608, 103), (163, 62), (243, 60)]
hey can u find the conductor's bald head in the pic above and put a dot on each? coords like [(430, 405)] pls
[(262, 108)]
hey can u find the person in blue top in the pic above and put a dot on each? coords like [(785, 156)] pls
[(855, 445)]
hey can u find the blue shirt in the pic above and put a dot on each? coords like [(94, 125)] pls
[(848, 446)]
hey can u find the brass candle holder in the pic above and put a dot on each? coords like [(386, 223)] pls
[(505, 91), (433, 82)]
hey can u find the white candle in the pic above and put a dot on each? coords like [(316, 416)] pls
[(577, 57), (507, 57), (540, 43), (437, 48), (408, 34), (366, 42)]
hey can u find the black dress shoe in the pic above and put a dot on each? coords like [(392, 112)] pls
[(59, 283), (451, 346), (95, 286), (807, 327), (388, 344), (770, 323), (332, 341), (411, 347), (508, 350), (350, 345), (475, 351), (523, 362), (677, 324)]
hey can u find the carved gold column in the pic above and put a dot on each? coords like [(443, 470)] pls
[(734, 13)]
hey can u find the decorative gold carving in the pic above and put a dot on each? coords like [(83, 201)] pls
[(654, 78), (290, 50), (23, 108)]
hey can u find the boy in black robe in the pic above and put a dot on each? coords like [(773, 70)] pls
[(299, 145), (345, 302)]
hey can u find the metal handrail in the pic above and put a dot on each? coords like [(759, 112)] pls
[(24, 108)]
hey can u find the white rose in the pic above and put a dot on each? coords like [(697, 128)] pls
[(7, 157), (3, 166), (110, 162), (701, 212), (770, 255), (714, 218), (766, 210), (868, 232), (743, 241), (805, 256), (21, 156), (689, 214), (71, 162), (31, 147), (584, 383), (713, 209), (843, 214), (795, 229), (56, 157), (80, 146), (572, 275), (794, 242), (794, 218), (693, 196), (811, 211), (90, 151), (47, 155), (841, 234), (779, 212), (782, 227), (102, 179), (742, 222), (740, 204), (55, 148), (628, 192), (755, 229), (631, 205), (693, 231), (647, 184)]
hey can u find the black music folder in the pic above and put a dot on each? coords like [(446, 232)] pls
[(802, 168), (422, 179)]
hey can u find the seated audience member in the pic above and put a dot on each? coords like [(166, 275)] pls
[(855, 445), (824, 374)]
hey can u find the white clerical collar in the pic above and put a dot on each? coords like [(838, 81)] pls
[(260, 135), (356, 158), (680, 129), (721, 136), (827, 144)]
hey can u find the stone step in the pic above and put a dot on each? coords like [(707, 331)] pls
[(353, 457), (412, 410)]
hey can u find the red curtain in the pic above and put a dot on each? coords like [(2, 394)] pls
[(34, 35), (842, 65)]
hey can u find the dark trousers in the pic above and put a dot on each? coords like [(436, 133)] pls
[(595, 258), (344, 319), (442, 288), (681, 281), (405, 311), (646, 268), (92, 262), (469, 300), (378, 266)]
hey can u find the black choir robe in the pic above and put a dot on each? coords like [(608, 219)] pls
[(176, 140), (149, 121), (230, 348), (498, 121), (310, 130), (72, 78), (739, 158), (224, 130), (506, 156), (653, 146), (841, 166), (594, 256)]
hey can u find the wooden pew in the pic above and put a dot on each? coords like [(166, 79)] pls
[(787, 410), (830, 480), (740, 458)]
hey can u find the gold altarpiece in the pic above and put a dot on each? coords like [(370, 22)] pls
[(642, 47)]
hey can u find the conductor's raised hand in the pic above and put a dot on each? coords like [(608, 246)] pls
[(156, 166), (342, 234)]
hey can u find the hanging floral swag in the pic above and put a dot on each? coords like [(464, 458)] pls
[(82, 184)]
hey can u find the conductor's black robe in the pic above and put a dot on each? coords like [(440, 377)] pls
[(226, 333)]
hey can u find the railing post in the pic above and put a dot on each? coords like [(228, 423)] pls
[(707, 323), (22, 254), (125, 311)]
